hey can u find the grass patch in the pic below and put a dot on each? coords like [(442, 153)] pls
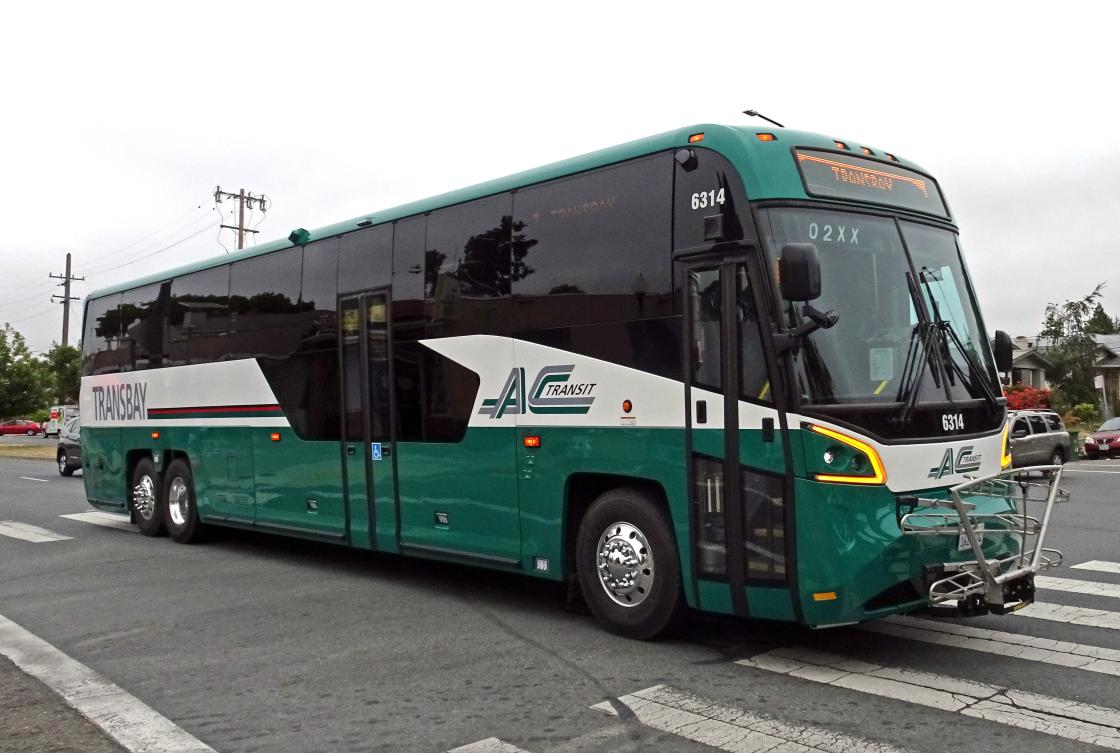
[(30, 452)]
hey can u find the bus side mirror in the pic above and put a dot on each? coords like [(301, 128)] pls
[(799, 272), (1002, 351)]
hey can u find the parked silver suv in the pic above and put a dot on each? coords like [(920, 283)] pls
[(1038, 437)]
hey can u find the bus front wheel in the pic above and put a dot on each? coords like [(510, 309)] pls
[(180, 511), (627, 564), (144, 498)]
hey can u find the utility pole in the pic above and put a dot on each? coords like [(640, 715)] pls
[(66, 298), (242, 199)]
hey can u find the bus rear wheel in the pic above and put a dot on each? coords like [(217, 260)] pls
[(627, 564), (180, 509), (143, 497)]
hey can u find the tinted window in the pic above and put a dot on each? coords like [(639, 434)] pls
[(1020, 427), (101, 334), (650, 345), (306, 382), (365, 258), (144, 314), (1053, 422), (407, 315), (263, 297), (594, 247), (199, 318), (1038, 426)]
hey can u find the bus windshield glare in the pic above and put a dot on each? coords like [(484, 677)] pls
[(875, 272)]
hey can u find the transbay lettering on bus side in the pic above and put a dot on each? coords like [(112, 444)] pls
[(121, 402)]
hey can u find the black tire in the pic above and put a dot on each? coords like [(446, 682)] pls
[(180, 511), (144, 495), (647, 574), (64, 467)]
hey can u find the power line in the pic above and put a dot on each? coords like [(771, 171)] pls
[(98, 269), (154, 253)]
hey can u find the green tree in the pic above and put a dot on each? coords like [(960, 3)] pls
[(65, 364), (1101, 323), (1073, 351), (24, 380)]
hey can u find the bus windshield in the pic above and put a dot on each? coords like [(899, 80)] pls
[(875, 273)]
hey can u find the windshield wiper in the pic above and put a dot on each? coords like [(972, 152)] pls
[(917, 356), (975, 379)]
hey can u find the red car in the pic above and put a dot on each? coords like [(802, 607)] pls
[(1104, 441), (20, 426)]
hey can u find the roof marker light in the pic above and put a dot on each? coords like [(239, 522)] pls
[(867, 151), (840, 145), (695, 137), (891, 157), (766, 137)]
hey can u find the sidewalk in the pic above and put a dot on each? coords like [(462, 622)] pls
[(33, 719)]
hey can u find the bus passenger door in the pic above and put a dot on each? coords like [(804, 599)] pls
[(736, 459), (367, 448)]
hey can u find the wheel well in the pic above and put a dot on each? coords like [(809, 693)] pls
[(1061, 451), (585, 488)]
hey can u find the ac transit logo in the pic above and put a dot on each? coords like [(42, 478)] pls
[(552, 392), (966, 462)]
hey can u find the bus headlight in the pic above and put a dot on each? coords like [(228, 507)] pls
[(850, 461)]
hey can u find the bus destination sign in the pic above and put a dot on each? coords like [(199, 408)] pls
[(843, 176)]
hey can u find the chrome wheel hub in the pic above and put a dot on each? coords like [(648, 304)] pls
[(625, 564), (62, 464), (178, 501), (143, 497)]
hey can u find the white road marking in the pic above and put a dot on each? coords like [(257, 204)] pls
[(26, 532), (129, 721), (1100, 566), (1061, 653), (489, 745), (1072, 615), (32, 478), (734, 729), (1069, 585), (1080, 470), (106, 519), (1095, 725)]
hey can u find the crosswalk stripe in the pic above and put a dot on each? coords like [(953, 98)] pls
[(1071, 585), (1095, 725), (26, 532), (704, 721), (489, 745), (1100, 566), (1061, 653), (106, 519), (1074, 615)]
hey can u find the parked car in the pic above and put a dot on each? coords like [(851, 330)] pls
[(1038, 437), (1104, 441), (20, 426), (59, 414), (69, 453)]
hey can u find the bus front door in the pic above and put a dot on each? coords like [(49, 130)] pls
[(367, 447), (736, 458)]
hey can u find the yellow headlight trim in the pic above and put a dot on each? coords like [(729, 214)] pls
[(1005, 448), (879, 475)]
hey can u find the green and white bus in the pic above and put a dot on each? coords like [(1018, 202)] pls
[(732, 369)]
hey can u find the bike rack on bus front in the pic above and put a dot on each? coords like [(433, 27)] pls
[(1002, 584)]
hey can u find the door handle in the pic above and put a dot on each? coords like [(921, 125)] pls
[(701, 411)]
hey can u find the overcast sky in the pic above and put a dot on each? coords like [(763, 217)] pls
[(119, 119)]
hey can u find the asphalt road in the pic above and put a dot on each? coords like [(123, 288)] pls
[(256, 643)]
